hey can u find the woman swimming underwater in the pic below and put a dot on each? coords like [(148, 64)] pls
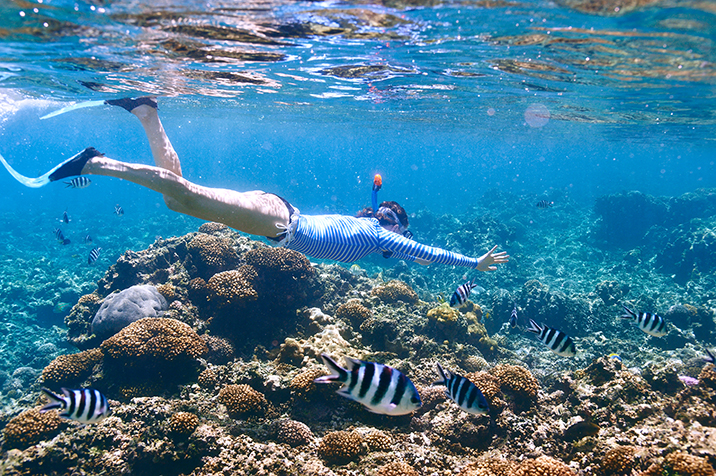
[(337, 237)]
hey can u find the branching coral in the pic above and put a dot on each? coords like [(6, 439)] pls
[(31, 427), (340, 447), (394, 291), (242, 400), (71, 369)]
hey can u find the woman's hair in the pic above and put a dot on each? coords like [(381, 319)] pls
[(386, 218)]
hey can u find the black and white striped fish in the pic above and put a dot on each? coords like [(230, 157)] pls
[(650, 323), (513, 317), (93, 255), (88, 239), (462, 293), (60, 237), (118, 210), (544, 204), (381, 389), (78, 182), (65, 217), (557, 341), (710, 358), (462, 391), (85, 405)]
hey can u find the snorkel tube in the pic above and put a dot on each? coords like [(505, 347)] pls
[(377, 183)]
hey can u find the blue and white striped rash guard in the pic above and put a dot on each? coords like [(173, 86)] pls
[(347, 239)]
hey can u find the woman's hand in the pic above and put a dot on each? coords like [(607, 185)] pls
[(487, 261)]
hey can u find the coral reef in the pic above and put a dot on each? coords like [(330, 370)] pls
[(293, 433), (242, 400), (71, 369), (183, 424), (211, 254), (29, 428), (395, 291), (340, 447), (121, 309), (543, 466)]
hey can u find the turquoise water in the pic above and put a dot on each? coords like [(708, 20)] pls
[(462, 107)]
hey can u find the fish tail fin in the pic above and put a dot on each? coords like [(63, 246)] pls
[(534, 327), (67, 184), (56, 402), (710, 357), (629, 313), (339, 374), (441, 374)]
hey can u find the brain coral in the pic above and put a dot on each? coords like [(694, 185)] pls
[(394, 291), (543, 466), (230, 288), (293, 433), (340, 447), (353, 311), (71, 369), (31, 427), (183, 423), (397, 468), (242, 400), (211, 254)]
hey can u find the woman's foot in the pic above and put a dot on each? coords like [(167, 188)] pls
[(130, 103)]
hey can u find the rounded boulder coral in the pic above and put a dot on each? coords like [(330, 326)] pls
[(340, 447), (618, 461), (354, 312), (397, 468), (518, 383), (183, 423), (684, 464), (31, 427), (232, 288), (242, 400), (71, 369), (394, 291)]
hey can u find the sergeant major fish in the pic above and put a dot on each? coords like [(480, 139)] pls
[(513, 317), (93, 255), (78, 182), (381, 389), (710, 358), (462, 391), (65, 217), (462, 293), (85, 405), (557, 341), (544, 204), (650, 323), (119, 211), (59, 236)]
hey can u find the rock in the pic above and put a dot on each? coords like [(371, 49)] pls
[(121, 309)]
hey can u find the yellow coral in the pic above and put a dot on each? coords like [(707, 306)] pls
[(242, 400), (489, 385), (31, 427), (341, 447), (72, 368), (444, 314), (394, 291)]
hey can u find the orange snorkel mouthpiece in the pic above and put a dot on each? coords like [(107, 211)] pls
[(377, 182)]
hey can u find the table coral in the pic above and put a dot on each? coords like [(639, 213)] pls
[(31, 427), (242, 400), (71, 369), (340, 447)]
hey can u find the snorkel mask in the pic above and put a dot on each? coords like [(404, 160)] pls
[(386, 216)]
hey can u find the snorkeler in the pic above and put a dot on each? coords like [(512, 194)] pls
[(337, 237)]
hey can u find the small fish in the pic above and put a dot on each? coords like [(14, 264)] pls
[(88, 239), (513, 317), (710, 358), (462, 293), (118, 210), (650, 323), (557, 341), (544, 204), (78, 182), (60, 237), (93, 255), (579, 430), (463, 392), (65, 217), (85, 405), (381, 389)]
